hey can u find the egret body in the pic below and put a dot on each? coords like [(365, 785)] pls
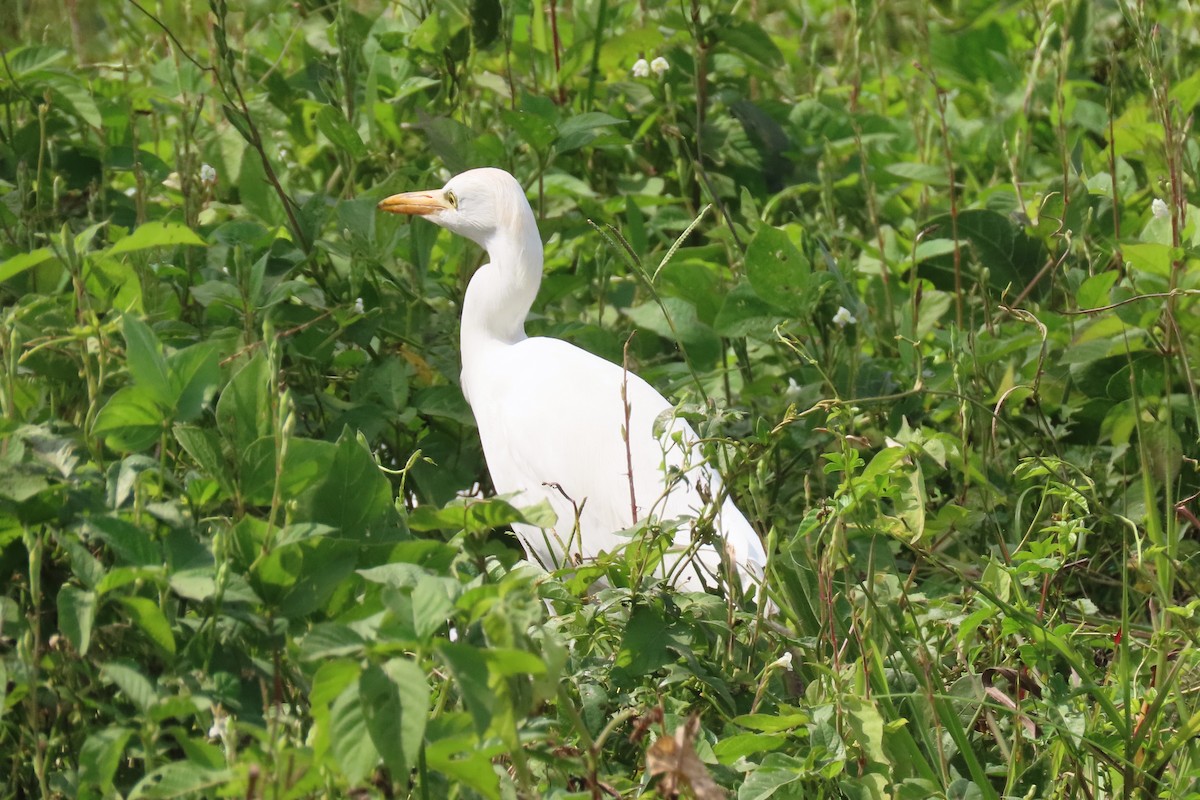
[(551, 416)]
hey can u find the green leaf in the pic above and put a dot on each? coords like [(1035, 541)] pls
[(179, 779), (477, 516), (532, 129), (778, 271), (244, 408), (157, 234), (204, 446), (1011, 256), (101, 755), (918, 172), (461, 758), (341, 134), (350, 738), (307, 463), (731, 748), (748, 38), (76, 615), (131, 544), (432, 605), (744, 313), (135, 686), (582, 129), (354, 495), (469, 668), (395, 702), (1150, 257), (195, 373), (144, 357), (146, 614), (331, 640), (22, 262), (130, 421)]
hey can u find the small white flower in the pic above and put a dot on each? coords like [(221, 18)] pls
[(208, 175), (358, 305), (784, 662), (220, 726), (843, 317), (659, 66), (641, 68), (1159, 209)]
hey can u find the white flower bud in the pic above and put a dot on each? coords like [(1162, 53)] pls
[(1159, 209), (208, 175)]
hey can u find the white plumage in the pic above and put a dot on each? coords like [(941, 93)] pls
[(551, 415)]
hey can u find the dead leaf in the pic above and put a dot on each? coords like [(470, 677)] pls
[(675, 760)]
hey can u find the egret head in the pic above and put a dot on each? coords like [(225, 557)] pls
[(476, 204)]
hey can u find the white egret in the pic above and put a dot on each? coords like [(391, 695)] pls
[(552, 416)]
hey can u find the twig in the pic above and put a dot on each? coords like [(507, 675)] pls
[(625, 433), (281, 335)]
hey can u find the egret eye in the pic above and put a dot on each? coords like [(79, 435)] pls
[(452, 199)]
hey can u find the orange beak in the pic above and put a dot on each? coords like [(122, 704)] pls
[(415, 203)]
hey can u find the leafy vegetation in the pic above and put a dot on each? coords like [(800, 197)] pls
[(925, 275)]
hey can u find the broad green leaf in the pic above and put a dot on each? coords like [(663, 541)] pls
[(144, 357), (778, 271), (179, 779), (928, 174), (432, 605), (533, 129), (146, 614), (244, 408), (322, 571), (772, 723), (157, 234), (1011, 256), (133, 684), (582, 129), (341, 134), (742, 745), (477, 516), (69, 92), (195, 373), (131, 420), (101, 755), (748, 38), (25, 60), (22, 262), (776, 771), (350, 738), (131, 544), (354, 494), (461, 758), (470, 670), (867, 724), (331, 640), (1150, 257), (195, 584), (306, 464), (204, 446), (76, 615), (395, 701), (744, 313)]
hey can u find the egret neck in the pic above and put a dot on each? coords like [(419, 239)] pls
[(502, 291)]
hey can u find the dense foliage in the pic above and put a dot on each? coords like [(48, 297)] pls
[(925, 275)]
